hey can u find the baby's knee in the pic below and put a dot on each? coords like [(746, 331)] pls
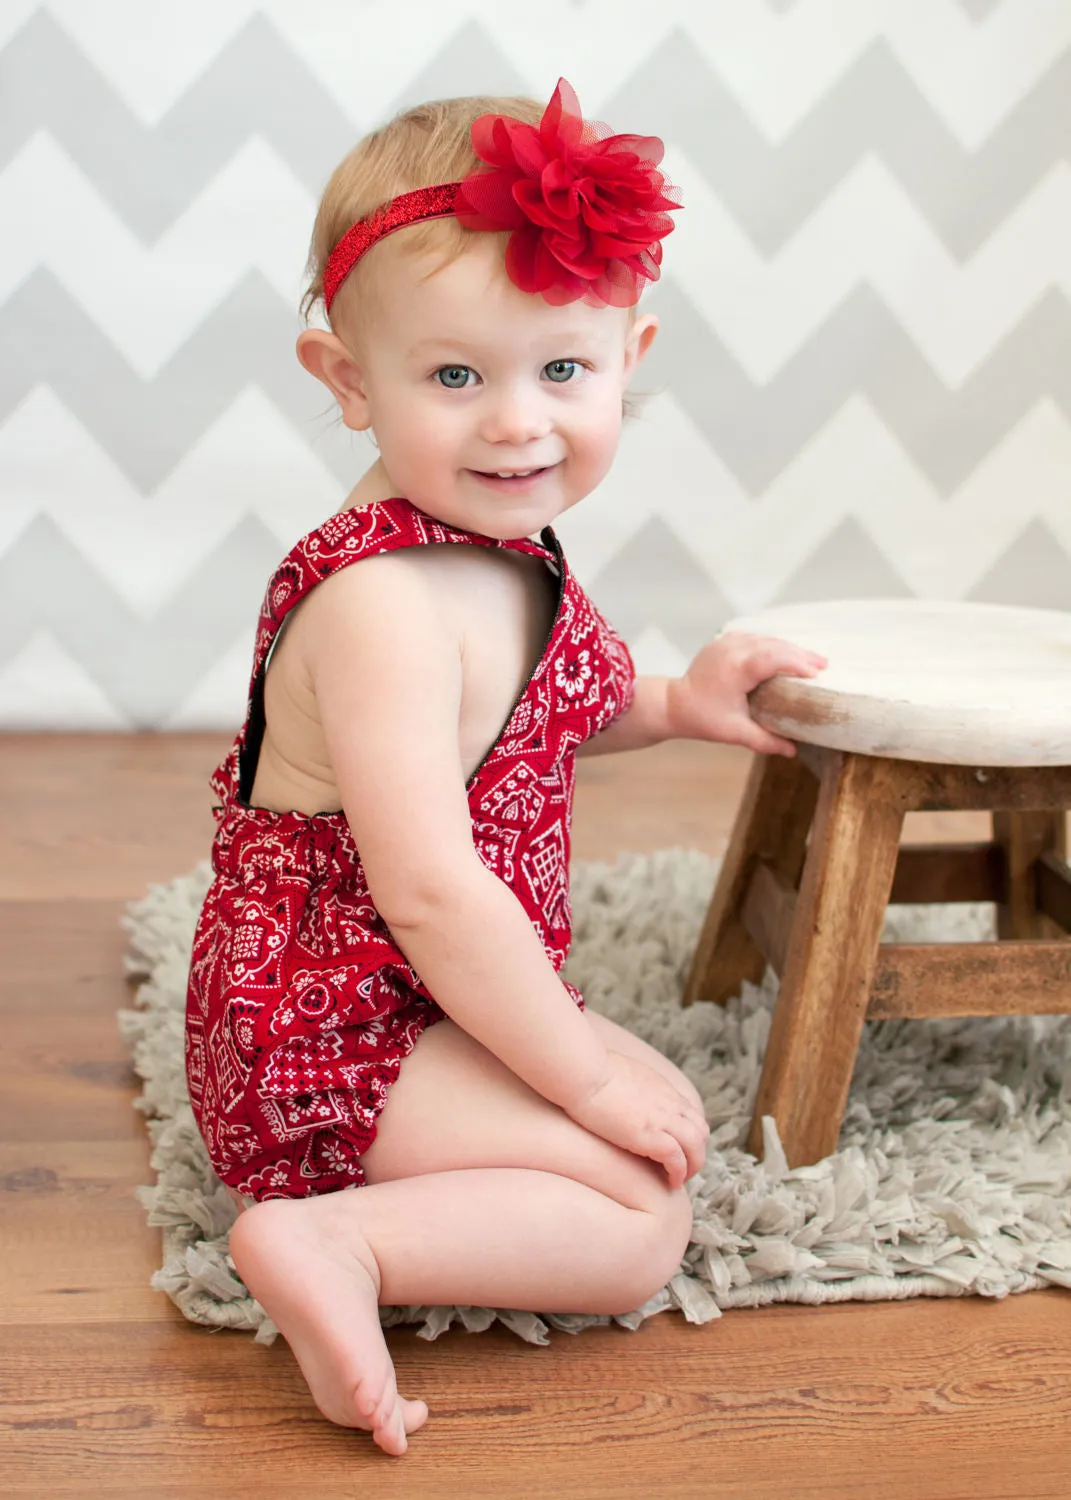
[(679, 1220), (671, 1226), (663, 1242)]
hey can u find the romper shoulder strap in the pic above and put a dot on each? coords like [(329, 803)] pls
[(345, 538)]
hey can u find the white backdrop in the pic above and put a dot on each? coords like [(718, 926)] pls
[(862, 384)]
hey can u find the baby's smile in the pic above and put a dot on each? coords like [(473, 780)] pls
[(511, 481)]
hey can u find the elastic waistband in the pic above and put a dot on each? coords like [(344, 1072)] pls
[(251, 842)]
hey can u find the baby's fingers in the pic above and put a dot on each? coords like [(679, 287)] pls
[(810, 662), (681, 1148), (668, 1151), (746, 732), (765, 657), (693, 1137), (794, 661)]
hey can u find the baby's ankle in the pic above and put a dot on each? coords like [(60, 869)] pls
[(341, 1224)]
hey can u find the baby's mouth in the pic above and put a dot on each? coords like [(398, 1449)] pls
[(512, 480)]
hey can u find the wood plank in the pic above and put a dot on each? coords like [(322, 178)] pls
[(1009, 788), (832, 951), (77, 1245), (925, 874), (608, 1413), (70, 942), (936, 787), (814, 757), (916, 678), (1054, 889), (1024, 837), (122, 810), (947, 827), (936, 873), (769, 910), (683, 790), (72, 1079), (1020, 977), (930, 979), (771, 824)]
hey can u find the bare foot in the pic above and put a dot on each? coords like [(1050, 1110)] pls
[(321, 1289)]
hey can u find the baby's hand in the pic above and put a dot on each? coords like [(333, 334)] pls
[(710, 701), (640, 1109)]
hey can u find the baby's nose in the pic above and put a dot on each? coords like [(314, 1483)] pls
[(515, 417)]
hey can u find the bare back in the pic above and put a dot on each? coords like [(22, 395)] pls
[(501, 605)]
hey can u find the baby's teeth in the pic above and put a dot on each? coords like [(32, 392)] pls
[(523, 475)]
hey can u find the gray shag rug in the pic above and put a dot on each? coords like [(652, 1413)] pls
[(952, 1175)]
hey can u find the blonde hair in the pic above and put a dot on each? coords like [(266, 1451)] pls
[(419, 147)]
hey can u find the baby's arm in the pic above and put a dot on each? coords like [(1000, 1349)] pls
[(710, 702), (645, 722), (386, 668)]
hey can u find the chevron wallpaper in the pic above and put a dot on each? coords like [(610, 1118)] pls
[(862, 384)]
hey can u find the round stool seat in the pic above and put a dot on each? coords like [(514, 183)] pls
[(915, 679)]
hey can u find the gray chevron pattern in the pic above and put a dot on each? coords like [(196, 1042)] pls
[(147, 426), (875, 109), (149, 175), (257, 85), (891, 417), (861, 348), (144, 666)]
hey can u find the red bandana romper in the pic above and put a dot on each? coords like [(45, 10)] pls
[(300, 1006)]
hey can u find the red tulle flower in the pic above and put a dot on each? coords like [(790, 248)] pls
[(588, 209)]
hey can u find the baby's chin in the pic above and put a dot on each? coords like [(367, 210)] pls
[(495, 510)]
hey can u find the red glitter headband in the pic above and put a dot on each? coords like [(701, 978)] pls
[(587, 209)]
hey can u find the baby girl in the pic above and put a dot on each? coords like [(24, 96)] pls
[(405, 1100)]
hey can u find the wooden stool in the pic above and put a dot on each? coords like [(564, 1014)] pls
[(923, 706)]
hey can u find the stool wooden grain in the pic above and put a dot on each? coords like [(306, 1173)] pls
[(924, 706)]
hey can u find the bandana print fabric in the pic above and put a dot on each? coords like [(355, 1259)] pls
[(300, 1006)]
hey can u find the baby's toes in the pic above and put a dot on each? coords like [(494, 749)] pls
[(414, 1414), (391, 1434), (388, 1405), (374, 1399)]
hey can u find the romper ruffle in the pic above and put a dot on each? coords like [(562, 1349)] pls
[(300, 1005)]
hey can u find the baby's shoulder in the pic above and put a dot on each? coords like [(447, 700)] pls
[(393, 579), (406, 590), (447, 573)]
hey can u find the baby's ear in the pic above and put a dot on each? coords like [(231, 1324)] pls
[(324, 355), (640, 338)]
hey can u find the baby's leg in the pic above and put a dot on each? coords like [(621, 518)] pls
[(513, 1205)]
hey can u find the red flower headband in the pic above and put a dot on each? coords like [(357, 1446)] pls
[(587, 209)]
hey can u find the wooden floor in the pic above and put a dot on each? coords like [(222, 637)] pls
[(106, 1389)]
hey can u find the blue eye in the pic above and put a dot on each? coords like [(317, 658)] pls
[(561, 370), (453, 377)]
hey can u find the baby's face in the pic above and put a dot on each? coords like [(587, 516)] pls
[(466, 377)]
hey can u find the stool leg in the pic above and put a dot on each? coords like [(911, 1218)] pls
[(832, 955), (1024, 837), (771, 823)]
